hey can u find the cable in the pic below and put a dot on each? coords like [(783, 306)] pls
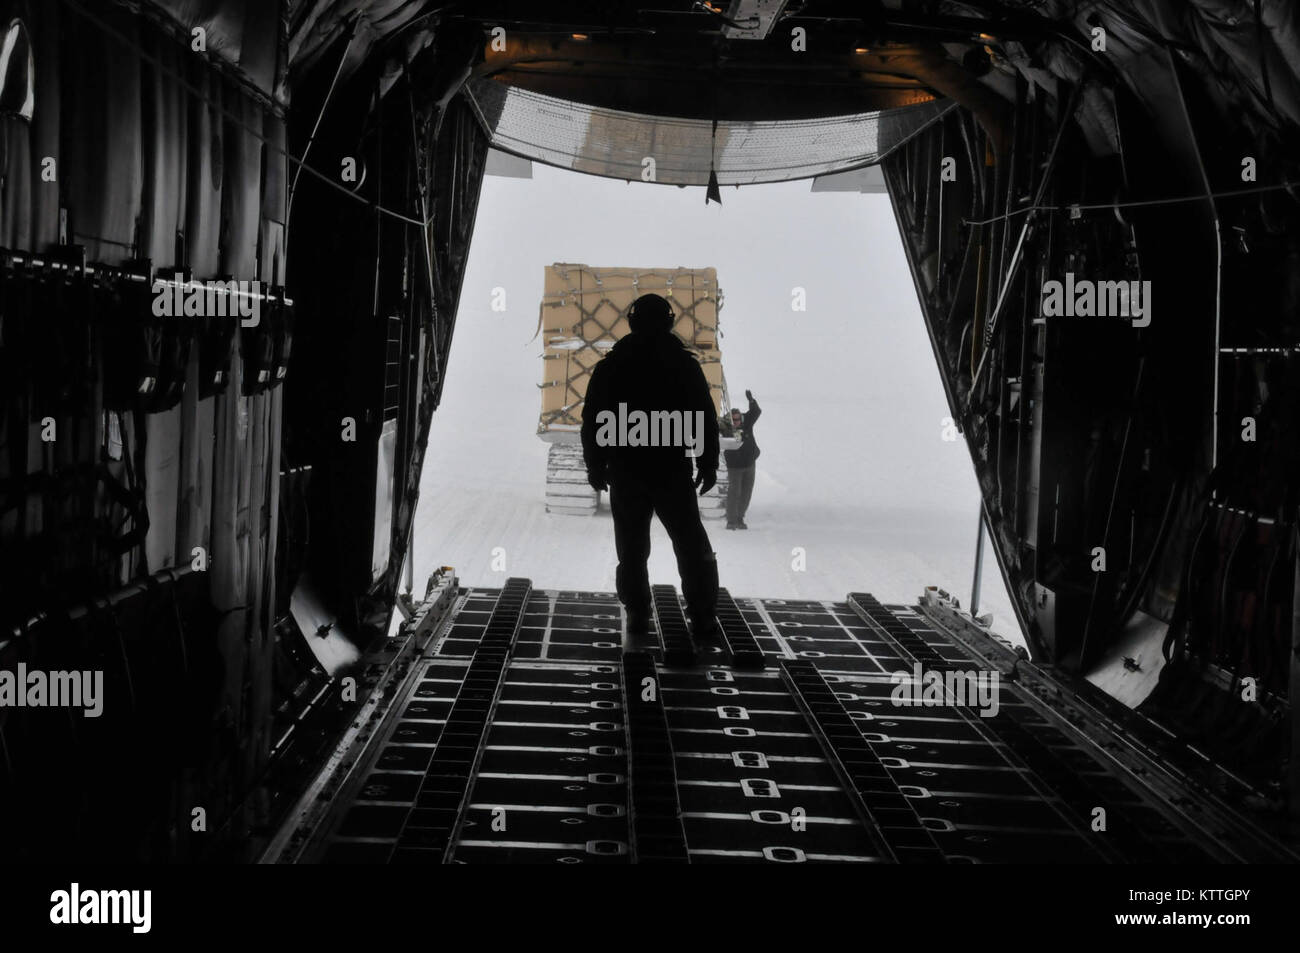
[(1174, 631), (1263, 53), (1114, 498), (1220, 633), (1257, 637), (1200, 197), (180, 623), (329, 94), (1132, 593)]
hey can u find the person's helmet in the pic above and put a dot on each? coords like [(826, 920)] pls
[(650, 313)]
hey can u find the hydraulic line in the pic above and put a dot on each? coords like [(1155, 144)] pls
[(1220, 636), (329, 94), (1258, 636), (1178, 619), (1134, 592), (1110, 510), (1016, 256)]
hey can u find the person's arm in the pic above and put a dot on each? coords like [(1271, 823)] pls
[(755, 411), (594, 456)]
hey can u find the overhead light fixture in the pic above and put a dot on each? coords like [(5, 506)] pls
[(581, 37), (861, 50)]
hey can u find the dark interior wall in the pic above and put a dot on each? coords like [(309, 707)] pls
[(168, 160), (1092, 435), (382, 287), (344, 254), (159, 162)]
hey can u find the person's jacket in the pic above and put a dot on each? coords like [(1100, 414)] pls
[(649, 371), (747, 452)]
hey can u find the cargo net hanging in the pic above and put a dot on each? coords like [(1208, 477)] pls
[(583, 314)]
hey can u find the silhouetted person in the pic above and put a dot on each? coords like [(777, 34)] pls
[(650, 378), (740, 463)]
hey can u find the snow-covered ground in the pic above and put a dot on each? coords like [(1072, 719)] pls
[(854, 471)]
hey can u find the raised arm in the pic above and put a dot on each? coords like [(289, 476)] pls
[(755, 411)]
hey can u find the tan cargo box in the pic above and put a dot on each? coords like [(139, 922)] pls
[(584, 312)]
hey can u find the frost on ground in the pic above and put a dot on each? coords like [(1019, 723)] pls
[(854, 471)]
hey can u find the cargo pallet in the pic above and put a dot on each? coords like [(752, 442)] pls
[(582, 315)]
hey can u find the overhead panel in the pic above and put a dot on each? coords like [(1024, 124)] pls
[(618, 144)]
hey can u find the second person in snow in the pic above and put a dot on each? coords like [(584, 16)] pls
[(740, 462)]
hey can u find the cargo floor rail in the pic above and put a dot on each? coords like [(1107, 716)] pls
[(739, 640), (674, 636), (888, 813), (655, 815), (430, 831)]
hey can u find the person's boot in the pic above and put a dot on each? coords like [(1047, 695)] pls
[(638, 621), (733, 526), (705, 629), (741, 525)]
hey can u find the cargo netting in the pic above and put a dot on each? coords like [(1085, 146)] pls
[(584, 312)]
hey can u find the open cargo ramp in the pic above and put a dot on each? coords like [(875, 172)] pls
[(527, 731)]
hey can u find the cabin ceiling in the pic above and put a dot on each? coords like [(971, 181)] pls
[(734, 61)]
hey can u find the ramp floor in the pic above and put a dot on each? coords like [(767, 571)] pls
[(529, 732)]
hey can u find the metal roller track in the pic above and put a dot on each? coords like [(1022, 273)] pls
[(738, 639), (674, 636), (411, 805), (887, 812), (656, 821)]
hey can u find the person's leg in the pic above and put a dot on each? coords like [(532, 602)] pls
[(678, 510), (733, 495), (746, 491), (631, 504)]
